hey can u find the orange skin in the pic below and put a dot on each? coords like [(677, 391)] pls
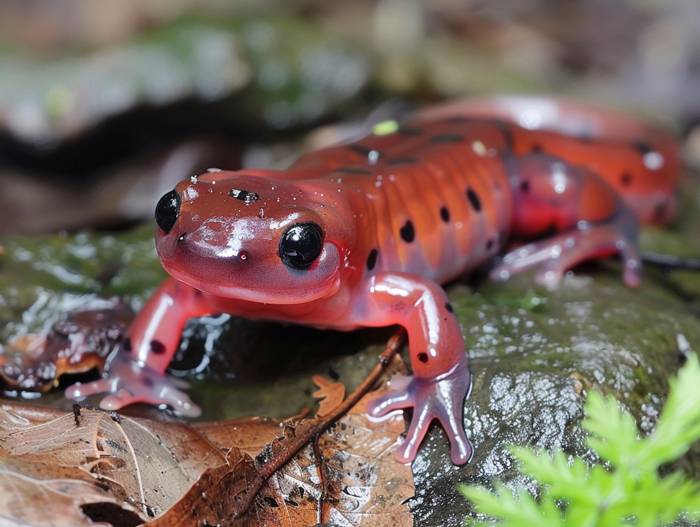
[(392, 216)]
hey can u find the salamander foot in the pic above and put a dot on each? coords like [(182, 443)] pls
[(129, 383), (439, 398)]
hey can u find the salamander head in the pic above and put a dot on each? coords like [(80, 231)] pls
[(243, 236)]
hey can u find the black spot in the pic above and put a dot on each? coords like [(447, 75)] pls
[(353, 170), (449, 307), (410, 131), (525, 186), (157, 347), (474, 200), (244, 195), (333, 374), (372, 259), (489, 244), (625, 179), (401, 161), (447, 138), (148, 382), (585, 137), (642, 147), (408, 233), (423, 357), (364, 150), (444, 214), (126, 345), (536, 148)]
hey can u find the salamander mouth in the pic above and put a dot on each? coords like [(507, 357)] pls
[(296, 287)]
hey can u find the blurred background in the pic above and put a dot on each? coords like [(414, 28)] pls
[(105, 105)]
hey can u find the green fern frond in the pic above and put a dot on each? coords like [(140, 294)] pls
[(629, 491)]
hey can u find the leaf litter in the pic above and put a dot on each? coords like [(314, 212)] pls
[(91, 467)]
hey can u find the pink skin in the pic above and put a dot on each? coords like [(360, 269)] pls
[(391, 214)]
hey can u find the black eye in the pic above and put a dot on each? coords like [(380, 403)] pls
[(301, 244), (167, 211)]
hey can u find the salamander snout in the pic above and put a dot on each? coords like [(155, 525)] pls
[(168, 210)]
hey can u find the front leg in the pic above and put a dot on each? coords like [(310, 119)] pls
[(137, 372), (441, 379)]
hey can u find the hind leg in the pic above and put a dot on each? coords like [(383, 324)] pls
[(588, 218)]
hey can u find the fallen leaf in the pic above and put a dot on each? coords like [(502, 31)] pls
[(56, 502), (110, 468), (331, 394), (146, 463), (347, 477), (77, 344)]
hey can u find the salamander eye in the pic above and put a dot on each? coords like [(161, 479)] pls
[(167, 211), (300, 245)]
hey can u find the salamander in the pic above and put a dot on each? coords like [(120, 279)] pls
[(364, 233)]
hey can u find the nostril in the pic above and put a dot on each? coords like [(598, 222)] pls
[(167, 210)]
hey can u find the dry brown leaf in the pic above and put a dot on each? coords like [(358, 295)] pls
[(331, 394), (250, 434), (101, 465), (76, 344), (361, 485), (145, 463), (349, 477), (56, 502)]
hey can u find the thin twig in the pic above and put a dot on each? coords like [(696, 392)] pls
[(297, 442)]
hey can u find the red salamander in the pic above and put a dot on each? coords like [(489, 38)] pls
[(362, 234)]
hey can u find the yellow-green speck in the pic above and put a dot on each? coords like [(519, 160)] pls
[(385, 128)]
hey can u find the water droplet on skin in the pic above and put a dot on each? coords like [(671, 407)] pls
[(479, 148), (653, 160)]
